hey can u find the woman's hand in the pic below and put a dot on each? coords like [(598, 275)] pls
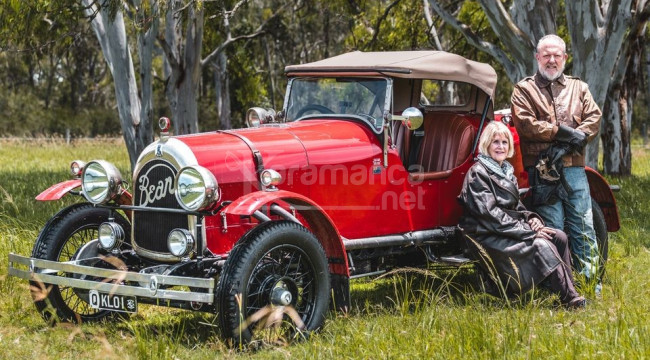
[(546, 233), (535, 224)]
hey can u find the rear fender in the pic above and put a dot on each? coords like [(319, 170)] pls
[(317, 220), (602, 193)]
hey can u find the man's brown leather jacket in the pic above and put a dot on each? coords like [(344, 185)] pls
[(539, 106)]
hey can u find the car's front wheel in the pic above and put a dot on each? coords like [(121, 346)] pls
[(275, 279), (60, 240)]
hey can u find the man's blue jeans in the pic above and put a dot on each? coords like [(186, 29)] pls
[(575, 216)]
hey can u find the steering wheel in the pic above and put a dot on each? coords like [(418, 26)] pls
[(314, 107)]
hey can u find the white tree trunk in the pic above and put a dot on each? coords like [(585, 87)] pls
[(222, 90), (616, 134), (597, 41), (111, 34), (188, 88), (516, 68), (270, 71), (183, 64), (146, 39), (433, 33)]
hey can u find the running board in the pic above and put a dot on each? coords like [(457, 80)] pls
[(437, 236), (454, 260)]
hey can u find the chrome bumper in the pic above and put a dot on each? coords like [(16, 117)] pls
[(152, 286)]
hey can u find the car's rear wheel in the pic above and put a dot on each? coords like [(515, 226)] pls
[(275, 280), (602, 237), (60, 240)]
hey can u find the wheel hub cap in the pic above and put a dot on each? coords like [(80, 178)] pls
[(281, 296)]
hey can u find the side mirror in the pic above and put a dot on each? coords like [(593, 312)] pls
[(411, 117)]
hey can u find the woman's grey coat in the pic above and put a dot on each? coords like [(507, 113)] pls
[(496, 219)]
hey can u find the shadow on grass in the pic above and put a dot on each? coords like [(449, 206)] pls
[(175, 330), (410, 290), (414, 287)]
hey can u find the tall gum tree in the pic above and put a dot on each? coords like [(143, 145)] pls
[(181, 40), (183, 49), (108, 24), (598, 31)]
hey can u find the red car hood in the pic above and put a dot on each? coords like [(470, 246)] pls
[(287, 146)]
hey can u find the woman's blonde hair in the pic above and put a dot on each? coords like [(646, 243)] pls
[(493, 129)]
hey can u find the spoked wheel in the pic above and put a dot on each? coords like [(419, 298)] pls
[(275, 282), (60, 240)]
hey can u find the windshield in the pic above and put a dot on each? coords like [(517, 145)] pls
[(361, 97)]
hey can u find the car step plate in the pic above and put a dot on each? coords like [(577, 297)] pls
[(104, 301)]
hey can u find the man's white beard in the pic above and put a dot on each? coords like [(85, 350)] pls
[(550, 77)]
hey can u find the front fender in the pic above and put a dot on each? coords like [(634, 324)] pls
[(602, 193), (57, 191), (318, 221)]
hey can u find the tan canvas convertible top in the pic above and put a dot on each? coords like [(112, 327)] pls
[(437, 65)]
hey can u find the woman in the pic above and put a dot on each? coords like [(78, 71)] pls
[(520, 248)]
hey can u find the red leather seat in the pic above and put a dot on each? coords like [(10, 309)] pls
[(401, 140), (446, 144)]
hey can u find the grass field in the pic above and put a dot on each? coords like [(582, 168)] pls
[(411, 315)]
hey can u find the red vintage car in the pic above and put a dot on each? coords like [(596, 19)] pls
[(356, 175)]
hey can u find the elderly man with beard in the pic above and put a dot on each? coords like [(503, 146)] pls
[(552, 107)]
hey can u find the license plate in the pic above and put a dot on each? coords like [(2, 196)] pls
[(103, 301)]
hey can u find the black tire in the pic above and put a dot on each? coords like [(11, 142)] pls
[(60, 240), (280, 255), (602, 237)]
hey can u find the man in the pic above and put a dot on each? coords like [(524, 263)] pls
[(552, 107)]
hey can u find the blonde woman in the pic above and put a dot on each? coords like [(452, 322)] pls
[(522, 250)]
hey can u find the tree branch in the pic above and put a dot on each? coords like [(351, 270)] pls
[(432, 27), (169, 53), (518, 42), (475, 40), (378, 24), (235, 8), (261, 30), (231, 40)]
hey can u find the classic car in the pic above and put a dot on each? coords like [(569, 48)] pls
[(357, 174)]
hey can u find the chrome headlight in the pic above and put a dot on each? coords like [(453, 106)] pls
[(270, 178), (257, 116), (100, 181), (196, 188), (111, 235), (180, 242), (76, 168)]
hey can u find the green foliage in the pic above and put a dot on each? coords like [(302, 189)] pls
[(248, 85), (403, 28), (52, 74), (23, 114), (410, 314)]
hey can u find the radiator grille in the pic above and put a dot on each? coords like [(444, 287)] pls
[(155, 188)]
